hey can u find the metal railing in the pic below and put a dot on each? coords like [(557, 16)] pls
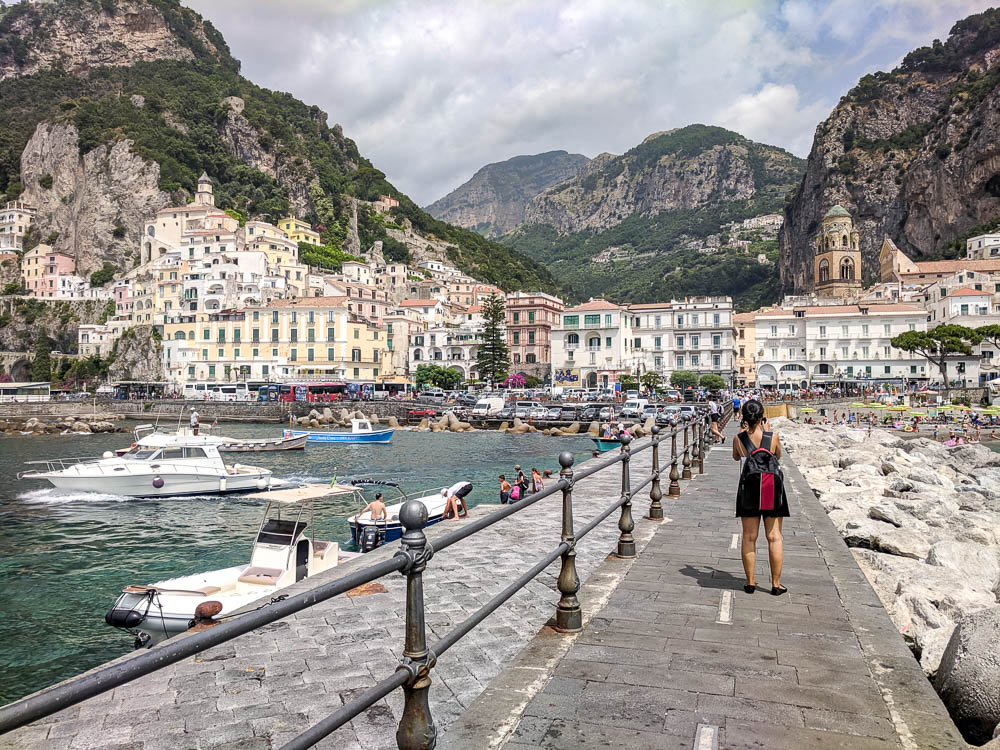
[(416, 730)]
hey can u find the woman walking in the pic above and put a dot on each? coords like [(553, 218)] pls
[(761, 494)]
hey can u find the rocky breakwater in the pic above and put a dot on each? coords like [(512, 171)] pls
[(923, 522), (35, 426), (326, 418)]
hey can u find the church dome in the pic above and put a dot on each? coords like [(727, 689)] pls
[(837, 210)]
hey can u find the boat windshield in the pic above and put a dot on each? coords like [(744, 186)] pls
[(140, 454)]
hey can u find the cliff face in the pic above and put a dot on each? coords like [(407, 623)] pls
[(678, 170), (493, 201), (138, 355), (39, 36), (912, 154), (96, 203)]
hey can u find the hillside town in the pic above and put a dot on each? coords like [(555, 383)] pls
[(231, 301)]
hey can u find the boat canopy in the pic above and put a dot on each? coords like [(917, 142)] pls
[(306, 492)]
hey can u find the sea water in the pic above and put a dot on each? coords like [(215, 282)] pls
[(64, 557)]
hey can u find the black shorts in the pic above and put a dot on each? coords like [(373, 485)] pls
[(715, 417), (465, 490)]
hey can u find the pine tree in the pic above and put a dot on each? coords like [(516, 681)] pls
[(492, 357), (41, 366)]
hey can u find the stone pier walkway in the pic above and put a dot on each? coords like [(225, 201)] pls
[(680, 656)]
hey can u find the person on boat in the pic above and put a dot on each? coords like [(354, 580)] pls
[(377, 507), (195, 421), (607, 430), (504, 490), (455, 496)]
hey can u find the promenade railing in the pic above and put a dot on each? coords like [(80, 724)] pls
[(416, 729)]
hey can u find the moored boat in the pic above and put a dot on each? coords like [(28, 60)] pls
[(282, 554), (361, 432), (257, 445), (369, 534), (607, 443)]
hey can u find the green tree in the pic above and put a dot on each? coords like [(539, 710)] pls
[(650, 380), (683, 379), (102, 276), (936, 344), (990, 334), (492, 359), (712, 382), (437, 376), (41, 366), (14, 287), (628, 382)]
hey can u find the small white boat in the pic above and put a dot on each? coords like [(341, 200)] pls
[(282, 554), (157, 465), (369, 534)]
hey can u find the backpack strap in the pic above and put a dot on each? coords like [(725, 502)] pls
[(745, 441), (765, 441)]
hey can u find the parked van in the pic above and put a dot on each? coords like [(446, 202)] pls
[(633, 408), (631, 395), (487, 407), (522, 409), (434, 396)]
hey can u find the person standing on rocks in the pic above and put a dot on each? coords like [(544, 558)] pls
[(761, 494)]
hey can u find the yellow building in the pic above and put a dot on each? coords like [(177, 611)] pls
[(837, 270), (299, 231), (746, 352), (308, 338)]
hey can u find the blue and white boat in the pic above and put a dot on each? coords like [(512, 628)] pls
[(369, 534), (361, 432)]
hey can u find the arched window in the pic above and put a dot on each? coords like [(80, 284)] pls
[(594, 342), (150, 230), (179, 336), (847, 269), (417, 355), (843, 241), (824, 270), (573, 339)]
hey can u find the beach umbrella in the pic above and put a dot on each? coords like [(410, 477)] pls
[(916, 413), (878, 406), (858, 405), (807, 410), (898, 408)]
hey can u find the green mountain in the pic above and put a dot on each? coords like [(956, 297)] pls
[(651, 223), (112, 108)]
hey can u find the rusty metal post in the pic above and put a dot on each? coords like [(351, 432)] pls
[(655, 493), (626, 543), (416, 729), (569, 616), (675, 486), (686, 462)]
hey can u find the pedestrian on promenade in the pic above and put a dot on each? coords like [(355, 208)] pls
[(761, 494), (715, 411), (536, 481), (504, 490), (521, 482)]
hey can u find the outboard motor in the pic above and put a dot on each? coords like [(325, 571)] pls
[(370, 537)]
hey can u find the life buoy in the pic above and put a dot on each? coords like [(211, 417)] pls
[(907, 429)]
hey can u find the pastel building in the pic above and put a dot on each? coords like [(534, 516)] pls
[(591, 346), (531, 316), (16, 219), (299, 231), (47, 273)]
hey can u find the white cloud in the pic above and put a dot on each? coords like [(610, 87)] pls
[(433, 89)]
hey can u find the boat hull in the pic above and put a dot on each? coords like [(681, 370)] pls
[(287, 443), (174, 485), (606, 444), (393, 530), (377, 436)]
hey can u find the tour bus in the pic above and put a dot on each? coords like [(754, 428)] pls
[(269, 392), (219, 392), (325, 391)]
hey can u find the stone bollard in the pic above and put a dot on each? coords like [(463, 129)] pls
[(569, 617), (626, 542), (686, 461), (655, 494), (675, 487)]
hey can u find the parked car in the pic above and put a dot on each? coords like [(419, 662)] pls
[(688, 412), (434, 396), (467, 399), (553, 413), (651, 410), (597, 413), (422, 413), (673, 395), (521, 408), (506, 413), (633, 408), (669, 415), (538, 412)]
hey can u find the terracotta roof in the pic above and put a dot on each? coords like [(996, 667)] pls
[(952, 266), (747, 317), (309, 302), (594, 304), (418, 303), (966, 292), (651, 306), (475, 310)]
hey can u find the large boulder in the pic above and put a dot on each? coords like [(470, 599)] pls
[(573, 429), (81, 427), (594, 430), (973, 561), (393, 423), (968, 679), (102, 426), (423, 424), (327, 414)]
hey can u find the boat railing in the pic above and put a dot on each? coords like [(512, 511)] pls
[(416, 730), (55, 464)]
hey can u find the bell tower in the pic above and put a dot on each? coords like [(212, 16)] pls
[(837, 269), (205, 195)]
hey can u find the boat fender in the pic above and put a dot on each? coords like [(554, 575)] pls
[(124, 618), (158, 482), (261, 484), (107, 454)]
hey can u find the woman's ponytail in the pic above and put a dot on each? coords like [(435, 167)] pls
[(751, 414)]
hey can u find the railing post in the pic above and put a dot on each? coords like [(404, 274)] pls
[(655, 493), (703, 432), (626, 543), (675, 486), (569, 617), (695, 445), (416, 729), (686, 462)]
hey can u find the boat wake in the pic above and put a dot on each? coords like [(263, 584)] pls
[(51, 496)]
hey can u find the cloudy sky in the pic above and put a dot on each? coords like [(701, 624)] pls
[(431, 90)]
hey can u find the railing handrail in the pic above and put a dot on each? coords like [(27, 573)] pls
[(416, 729)]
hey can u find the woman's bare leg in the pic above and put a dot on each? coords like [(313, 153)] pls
[(775, 551), (748, 547)]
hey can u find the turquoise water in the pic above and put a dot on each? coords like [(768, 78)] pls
[(65, 557)]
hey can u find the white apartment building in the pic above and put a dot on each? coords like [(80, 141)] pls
[(15, 220), (592, 345), (704, 336), (983, 247), (830, 344), (452, 347), (971, 306)]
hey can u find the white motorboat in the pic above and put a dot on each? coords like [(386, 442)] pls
[(282, 554), (157, 465), (368, 534)]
